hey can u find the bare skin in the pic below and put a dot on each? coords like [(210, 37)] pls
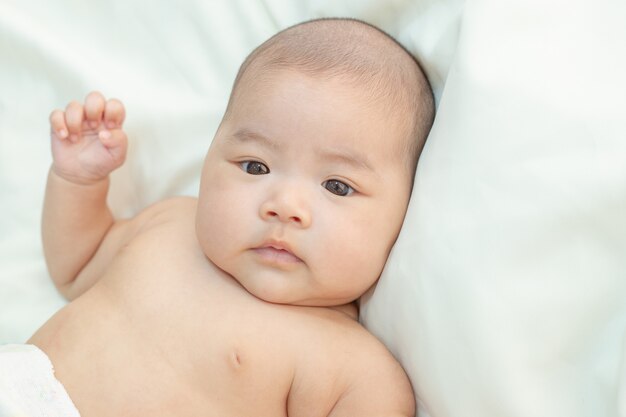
[(177, 336), (159, 325)]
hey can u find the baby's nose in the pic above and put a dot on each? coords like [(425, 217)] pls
[(286, 208)]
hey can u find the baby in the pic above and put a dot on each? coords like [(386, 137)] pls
[(241, 302)]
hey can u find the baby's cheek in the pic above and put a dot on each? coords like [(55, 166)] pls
[(354, 258), (373, 244), (227, 221)]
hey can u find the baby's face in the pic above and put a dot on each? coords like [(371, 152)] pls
[(303, 191)]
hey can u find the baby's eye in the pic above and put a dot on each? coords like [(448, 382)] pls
[(254, 167), (338, 187)]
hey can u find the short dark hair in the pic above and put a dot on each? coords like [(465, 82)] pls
[(363, 55)]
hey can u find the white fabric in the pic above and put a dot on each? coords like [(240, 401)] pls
[(28, 387), (505, 295), (506, 291)]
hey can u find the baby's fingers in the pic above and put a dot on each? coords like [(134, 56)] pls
[(94, 108), (57, 124), (116, 142), (114, 114), (74, 116)]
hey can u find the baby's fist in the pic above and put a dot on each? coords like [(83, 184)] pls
[(87, 140)]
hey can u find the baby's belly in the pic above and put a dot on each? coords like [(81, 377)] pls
[(162, 357)]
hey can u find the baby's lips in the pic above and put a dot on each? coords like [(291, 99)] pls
[(277, 255)]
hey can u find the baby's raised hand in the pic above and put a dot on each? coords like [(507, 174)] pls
[(87, 140)]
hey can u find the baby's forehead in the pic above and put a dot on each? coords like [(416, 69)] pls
[(374, 97), (361, 54), (355, 102), (351, 101)]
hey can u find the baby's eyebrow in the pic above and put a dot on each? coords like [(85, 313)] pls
[(246, 135), (337, 155), (347, 157)]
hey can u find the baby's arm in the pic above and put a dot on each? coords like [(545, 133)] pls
[(381, 388), (87, 144)]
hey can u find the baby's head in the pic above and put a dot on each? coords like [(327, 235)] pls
[(354, 54), (307, 181)]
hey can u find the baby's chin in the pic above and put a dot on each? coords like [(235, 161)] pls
[(292, 299), (279, 291)]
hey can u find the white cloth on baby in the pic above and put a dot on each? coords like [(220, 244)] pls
[(28, 387)]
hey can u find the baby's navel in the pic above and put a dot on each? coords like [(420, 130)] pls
[(235, 359)]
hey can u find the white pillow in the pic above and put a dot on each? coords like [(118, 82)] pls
[(505, 294)]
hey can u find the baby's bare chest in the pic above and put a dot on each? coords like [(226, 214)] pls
[(197, 342)]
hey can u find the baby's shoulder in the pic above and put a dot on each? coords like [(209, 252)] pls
[(173, 208), (171, 211), (356, 371), (340, 338), (169, 222)]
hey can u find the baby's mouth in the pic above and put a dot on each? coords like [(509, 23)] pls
[(276, 254)]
